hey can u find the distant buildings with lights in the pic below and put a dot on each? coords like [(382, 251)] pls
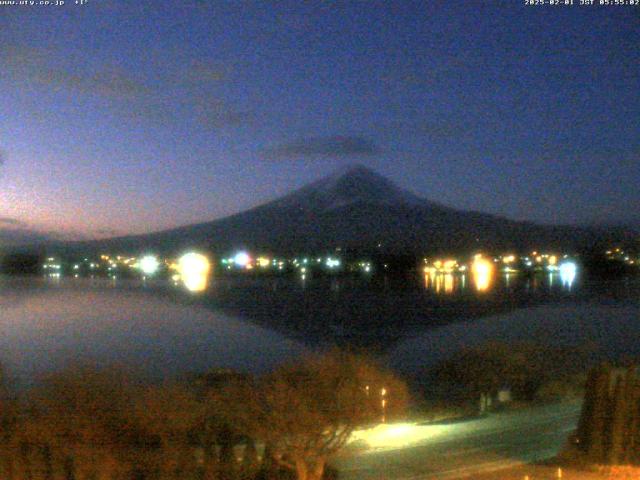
[(442, 272)]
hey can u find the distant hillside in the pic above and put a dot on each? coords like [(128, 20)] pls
[(13, 237), (358, 208)]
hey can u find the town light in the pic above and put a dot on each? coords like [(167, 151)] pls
[(449, 265), (333, 262), (149, 264), (482, 270), (241, 259), (194, 271), (568, 273), (509, 259)]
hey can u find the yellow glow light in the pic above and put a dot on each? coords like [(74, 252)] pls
[(394, 436), (482, 270), (263, 262), (449, 265), (448, 283), (509, 259), (194, 271)]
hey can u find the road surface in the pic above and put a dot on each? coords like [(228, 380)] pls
[(459, 450)]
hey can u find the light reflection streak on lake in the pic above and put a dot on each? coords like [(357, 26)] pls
[(484, 280)]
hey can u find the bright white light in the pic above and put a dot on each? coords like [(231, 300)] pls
[(149, 264), (194, 271), (568, 273), (395, 436), (241, 259), (333, 262)]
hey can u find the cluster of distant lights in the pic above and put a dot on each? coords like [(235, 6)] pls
[(52, 268), (193, 269), (149, 265), (244, 261), (620, 255), (440, 273)]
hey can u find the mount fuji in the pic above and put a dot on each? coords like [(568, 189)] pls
[(356, 208)]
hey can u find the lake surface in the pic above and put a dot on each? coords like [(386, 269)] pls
[(252, 324), (46, 326)]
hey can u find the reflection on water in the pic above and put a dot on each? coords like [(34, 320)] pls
[(46, 322), (610, 327), (568, 273), (482, 271), (485, 278), (44, 327), (508, 279), (440, 282)]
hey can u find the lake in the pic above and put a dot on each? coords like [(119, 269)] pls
[(251, 324)]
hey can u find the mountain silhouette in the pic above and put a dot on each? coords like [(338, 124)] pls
[(356, 208)]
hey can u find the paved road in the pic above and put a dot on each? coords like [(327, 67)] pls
[(426, 452)]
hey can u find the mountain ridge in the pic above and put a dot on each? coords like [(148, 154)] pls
[(355, 208)]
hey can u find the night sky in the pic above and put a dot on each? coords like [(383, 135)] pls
[(126, 117)]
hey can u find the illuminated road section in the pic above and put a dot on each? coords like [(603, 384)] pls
[(459, 450)]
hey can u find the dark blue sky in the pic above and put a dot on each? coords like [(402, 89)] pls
[(121, 117)]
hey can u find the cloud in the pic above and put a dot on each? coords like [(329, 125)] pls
[(334, 146), (442, 130), (22, 236), (43, 67), (199, 73), (15, 232), (216, 113), (108, 232), (169, 92), (12, 222), (207, 111)]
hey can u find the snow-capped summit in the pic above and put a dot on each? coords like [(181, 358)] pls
[(353, 184)]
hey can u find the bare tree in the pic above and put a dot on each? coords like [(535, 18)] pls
[(169, 415), (8, 421), (76, 426), (305, 412)]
